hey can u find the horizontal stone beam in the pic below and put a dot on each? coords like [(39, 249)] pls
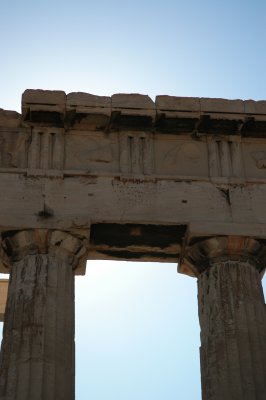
[(83, 111), (124, 169), (132, 208)]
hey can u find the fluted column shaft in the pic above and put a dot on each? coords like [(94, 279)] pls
[(232, 317), (37, 353)]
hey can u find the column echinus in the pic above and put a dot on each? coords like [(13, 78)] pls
[(37, 354), (232, 316)]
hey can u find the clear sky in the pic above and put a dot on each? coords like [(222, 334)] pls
[(137, 331)]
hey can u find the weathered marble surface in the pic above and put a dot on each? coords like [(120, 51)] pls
[(233, 332), (73, 161), (123, 177), (37, 359), (232, 316)]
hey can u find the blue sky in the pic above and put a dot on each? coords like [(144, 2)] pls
[(137, 331), (186, 48)]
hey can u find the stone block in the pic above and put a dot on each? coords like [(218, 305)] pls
[(77, 99), (172, 103), (88, 112), (135, 111), (38, 96), (221, 106), (178, 115), (132, 101), (43, 106), (9, 119), (255, 107)]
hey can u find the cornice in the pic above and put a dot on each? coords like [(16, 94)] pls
[(167, 114)]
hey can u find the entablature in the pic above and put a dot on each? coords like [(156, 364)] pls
[(131, 167)]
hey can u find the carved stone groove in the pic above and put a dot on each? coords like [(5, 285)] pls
[(38, 350), (136, 153), (232, 316), (46, 150), (233, 332), (225, 158)]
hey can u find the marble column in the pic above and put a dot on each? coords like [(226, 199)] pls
[(37, 360), (232, 317)]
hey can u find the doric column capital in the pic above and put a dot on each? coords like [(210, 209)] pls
[(67, 246), (202, 253)]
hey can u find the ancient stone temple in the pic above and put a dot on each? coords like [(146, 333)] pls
[(178, 180)]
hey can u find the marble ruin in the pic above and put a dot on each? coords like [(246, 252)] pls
[(180, 180)]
